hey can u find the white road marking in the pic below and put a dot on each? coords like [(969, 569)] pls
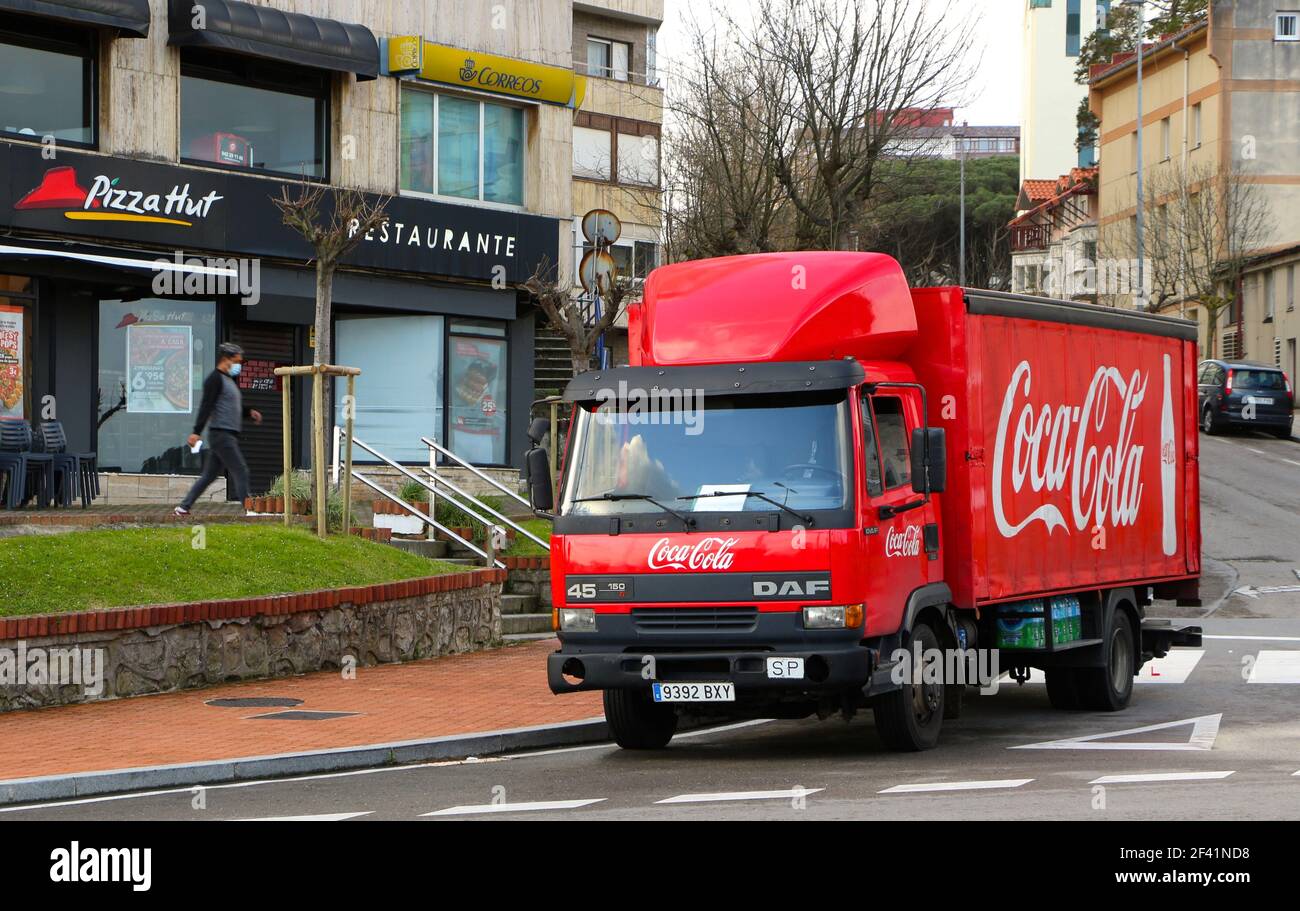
[(789, 794), (1258, 638), (1292, 462), (1174, 667), (956, 786), (1204, 731), (527, 807), (1141, 777), (1257, 451), (319, 817), (1251, 591), (1276, 667)]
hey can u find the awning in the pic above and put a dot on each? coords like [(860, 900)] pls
[(260, 31), (130, 17)]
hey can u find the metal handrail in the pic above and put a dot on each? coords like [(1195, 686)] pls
[(503, 518), (411, 509), (459, 461)]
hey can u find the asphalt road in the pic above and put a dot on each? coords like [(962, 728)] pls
[(1224, 743)]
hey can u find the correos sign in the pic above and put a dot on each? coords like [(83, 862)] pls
[(411, 55)]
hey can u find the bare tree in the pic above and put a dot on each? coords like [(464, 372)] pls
[(834, 77), (1205, 224), (568, 313), (353, 216)]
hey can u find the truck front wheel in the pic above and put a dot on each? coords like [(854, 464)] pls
[(1109, 688), (638, 722), (908, 719)]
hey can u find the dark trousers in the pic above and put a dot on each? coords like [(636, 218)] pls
[(223, 454)]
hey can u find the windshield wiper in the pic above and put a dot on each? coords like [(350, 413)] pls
[(687, 522), (807, 520)]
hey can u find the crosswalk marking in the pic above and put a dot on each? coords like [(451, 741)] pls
[(788, 794), (956, 786), (1276, 667), (528, 807), (1160, 776), (1204, 731), (316, 817)]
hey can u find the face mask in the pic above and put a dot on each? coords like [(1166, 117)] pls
[(235, 368)]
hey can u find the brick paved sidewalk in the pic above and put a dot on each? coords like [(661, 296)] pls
[(458, 694)]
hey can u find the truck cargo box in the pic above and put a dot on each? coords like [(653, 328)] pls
[(1072, 443)]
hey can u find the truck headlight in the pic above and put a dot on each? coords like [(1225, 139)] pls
[(839, 616), (577, 619)]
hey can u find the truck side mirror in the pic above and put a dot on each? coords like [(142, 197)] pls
[(538, 430), (537, 465), (929, 460)]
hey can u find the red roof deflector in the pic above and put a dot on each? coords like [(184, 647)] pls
[(774, 307)]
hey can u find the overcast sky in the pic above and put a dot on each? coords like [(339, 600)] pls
[(995, 95)]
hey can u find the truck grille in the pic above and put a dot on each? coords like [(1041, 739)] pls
[(685, 619)]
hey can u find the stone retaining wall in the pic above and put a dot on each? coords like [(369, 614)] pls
[(181, 646), (530, 576)]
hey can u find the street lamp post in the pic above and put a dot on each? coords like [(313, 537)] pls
[(1141, 196), (961, 263)]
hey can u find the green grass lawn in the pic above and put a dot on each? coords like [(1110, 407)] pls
[(95, 569), (522, 547)]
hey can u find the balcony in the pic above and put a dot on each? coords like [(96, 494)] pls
[(1025, 238)]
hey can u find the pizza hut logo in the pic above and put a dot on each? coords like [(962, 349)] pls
[(706, 554), (106, 200), (903, 542)]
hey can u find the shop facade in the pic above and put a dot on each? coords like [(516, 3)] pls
[(127, 253)]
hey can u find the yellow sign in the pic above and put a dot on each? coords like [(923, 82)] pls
[(410, 54)]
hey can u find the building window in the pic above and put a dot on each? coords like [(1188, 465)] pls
[(47, 82), (399, 392), (1196, 125), (1288, 27), (17, 326), (1290, 288), (1165, 134), (462, 147), (153, 358), (245, 113), (1072, 28), (1268, 296), (635, 260), (593, 153), (638, 159), (477, 364), (608, 58)]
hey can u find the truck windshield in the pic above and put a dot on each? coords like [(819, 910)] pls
[(792, 449)]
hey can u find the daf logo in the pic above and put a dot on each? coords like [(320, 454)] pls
[(791, 588)]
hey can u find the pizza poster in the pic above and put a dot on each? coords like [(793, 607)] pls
[(11, 363), (159, 362)]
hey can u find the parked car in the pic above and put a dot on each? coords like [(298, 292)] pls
[(1241, 394)]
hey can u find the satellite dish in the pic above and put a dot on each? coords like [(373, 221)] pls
[(601, 227), (598, 271)]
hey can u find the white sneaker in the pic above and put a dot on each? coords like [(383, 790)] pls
[(180, 511)]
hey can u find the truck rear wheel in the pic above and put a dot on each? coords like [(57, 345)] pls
[(908, 719), (638, 722), (1109, 688)]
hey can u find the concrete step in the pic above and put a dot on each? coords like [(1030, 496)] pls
[(527, 637), (519, 604), (514, 624), (434, 550)]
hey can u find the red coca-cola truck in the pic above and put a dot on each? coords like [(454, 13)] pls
[(816, 489)]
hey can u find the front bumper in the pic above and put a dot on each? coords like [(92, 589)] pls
[(621, 657)]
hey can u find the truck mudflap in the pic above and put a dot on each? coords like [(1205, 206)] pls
[(838, 667), (1160, 635)]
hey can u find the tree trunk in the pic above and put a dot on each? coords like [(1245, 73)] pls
[(324, 309), (322, 354)]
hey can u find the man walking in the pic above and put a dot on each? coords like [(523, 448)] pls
[(223, 411)]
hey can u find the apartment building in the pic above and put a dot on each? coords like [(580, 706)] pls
[(1218, 118), (1054, 237), (142, 143)]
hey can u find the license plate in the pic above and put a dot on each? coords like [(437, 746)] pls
[(785, 668), (1258, 400), (694, 692)]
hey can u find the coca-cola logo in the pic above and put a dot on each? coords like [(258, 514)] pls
[(903, 542), (1083, 452), (707, 553)]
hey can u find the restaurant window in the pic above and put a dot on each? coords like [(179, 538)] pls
[(399, 392), (248, 114), (609, 59), (47, 82), (477, 366), (17, 325), (462, 147), (153, 357)]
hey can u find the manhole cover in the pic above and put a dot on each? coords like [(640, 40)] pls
[(254, 702), (303, 715)]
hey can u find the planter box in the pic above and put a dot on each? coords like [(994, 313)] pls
[(396, 520), (274, 506)]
